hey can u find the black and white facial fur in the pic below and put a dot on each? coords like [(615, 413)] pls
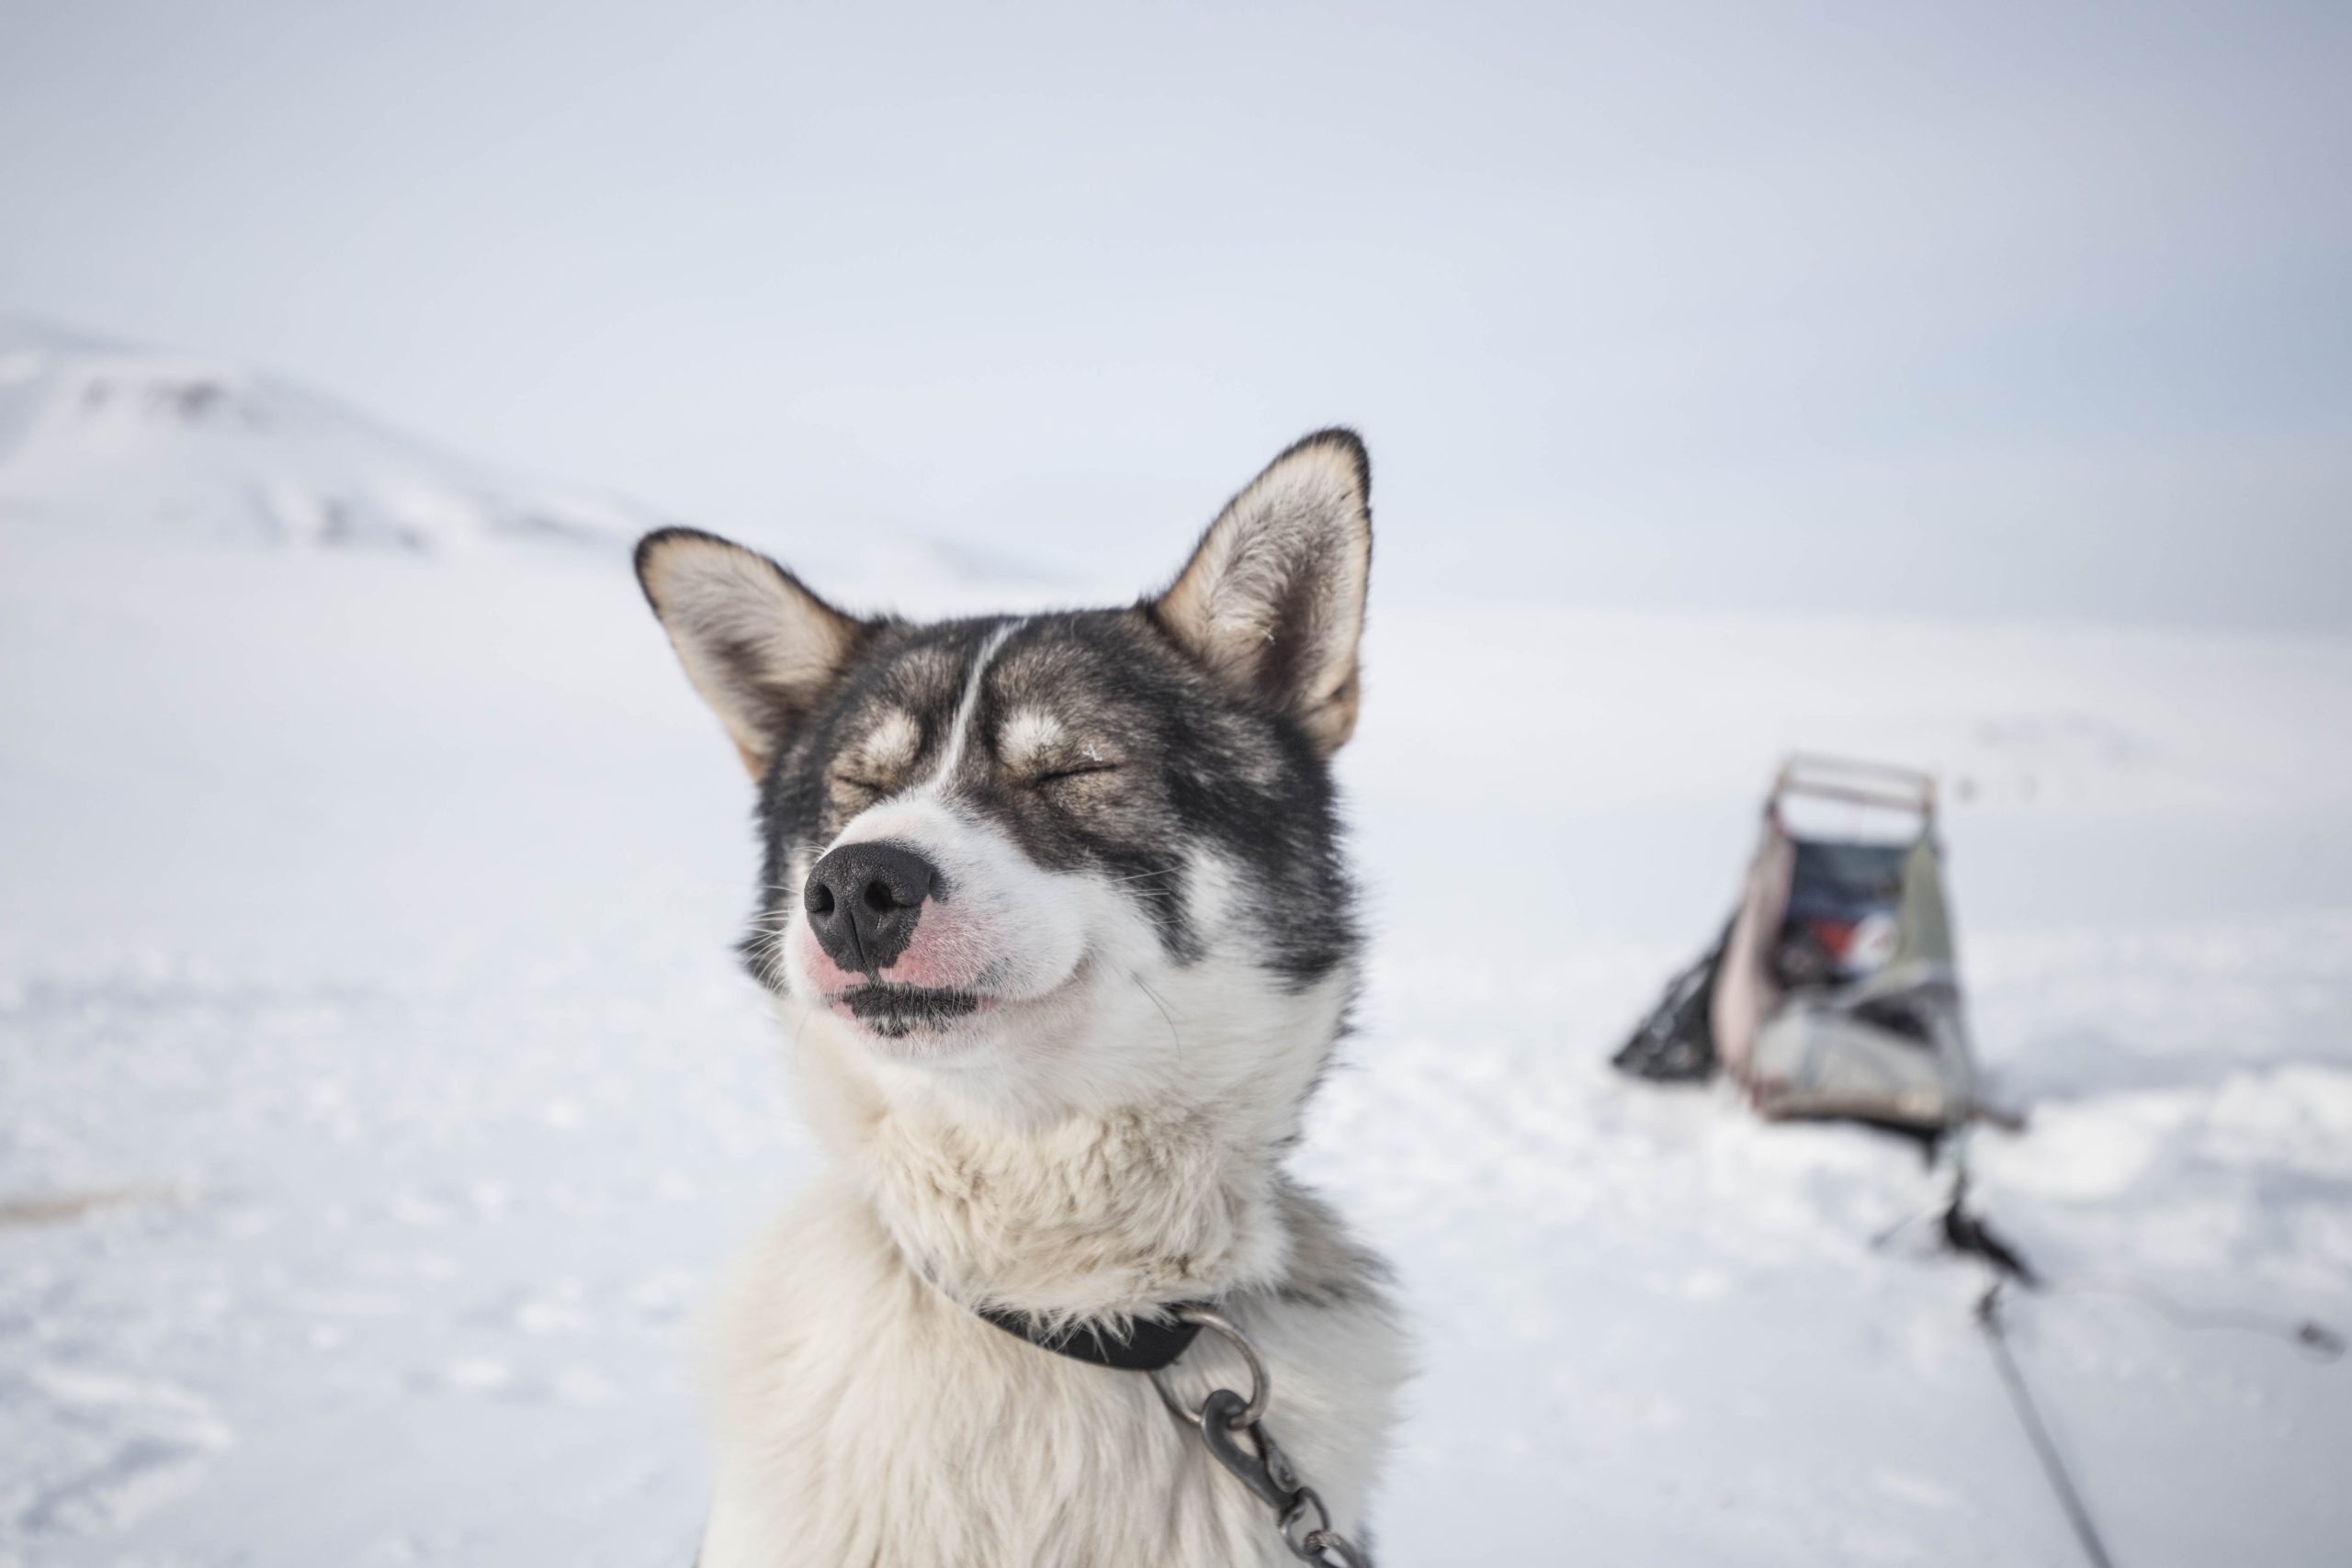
[(1056, 922)]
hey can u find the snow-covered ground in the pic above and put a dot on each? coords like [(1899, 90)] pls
[(378, 1095)]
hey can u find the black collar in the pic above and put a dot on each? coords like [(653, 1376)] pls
[(1149, 1345)]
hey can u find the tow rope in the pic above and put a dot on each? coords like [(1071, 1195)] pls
[(2078, 1513), (1968, 1233)]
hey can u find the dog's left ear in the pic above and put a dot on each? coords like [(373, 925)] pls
[(761, 649), (1272, 600)]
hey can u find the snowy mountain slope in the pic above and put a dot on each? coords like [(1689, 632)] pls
[(101, 436)]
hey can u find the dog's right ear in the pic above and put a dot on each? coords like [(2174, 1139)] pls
[(759, 647)]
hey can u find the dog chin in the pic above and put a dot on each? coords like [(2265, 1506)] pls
[(911, 1021), (924, 1024)]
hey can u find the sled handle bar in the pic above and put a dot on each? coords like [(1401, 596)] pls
[(1858, 782)]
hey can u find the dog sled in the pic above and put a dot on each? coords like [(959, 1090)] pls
[(1834, 991)]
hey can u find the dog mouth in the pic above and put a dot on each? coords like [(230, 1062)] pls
[(896, 1011)]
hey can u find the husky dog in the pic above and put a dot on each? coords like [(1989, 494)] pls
[(1058, 926)]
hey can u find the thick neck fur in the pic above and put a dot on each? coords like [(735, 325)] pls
[(1084, 1214), (1094, 1215)]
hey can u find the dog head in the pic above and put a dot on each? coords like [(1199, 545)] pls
[(1064, 860)]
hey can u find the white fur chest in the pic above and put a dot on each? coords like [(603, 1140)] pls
[(866, 1419)]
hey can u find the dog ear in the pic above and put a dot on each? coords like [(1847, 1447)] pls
[(1272, 602), (759, 647)]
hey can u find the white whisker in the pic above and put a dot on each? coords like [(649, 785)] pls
[(1175, 1037)]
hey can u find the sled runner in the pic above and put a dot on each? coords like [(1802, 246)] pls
[(1835, 990)]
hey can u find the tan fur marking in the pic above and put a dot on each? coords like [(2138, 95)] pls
[(894, 740), (1028, 738)]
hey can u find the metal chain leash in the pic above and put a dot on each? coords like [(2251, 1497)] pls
[(1233, 1430)]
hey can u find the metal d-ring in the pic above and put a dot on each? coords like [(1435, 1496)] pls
[(1261, 1390)]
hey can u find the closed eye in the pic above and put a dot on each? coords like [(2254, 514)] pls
[(1077, 771)]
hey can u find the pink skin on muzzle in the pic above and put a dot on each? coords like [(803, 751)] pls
[(947, 954)]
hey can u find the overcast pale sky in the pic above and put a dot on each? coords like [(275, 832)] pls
[(1990, 309)]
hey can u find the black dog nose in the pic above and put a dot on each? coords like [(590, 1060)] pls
[(863, 902)]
